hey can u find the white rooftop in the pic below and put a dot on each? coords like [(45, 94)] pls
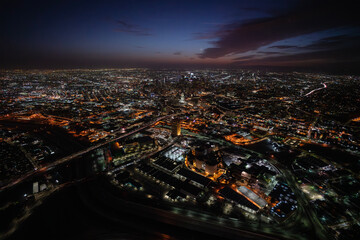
[(251, 195)]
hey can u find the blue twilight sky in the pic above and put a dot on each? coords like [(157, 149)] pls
[(296, 33)]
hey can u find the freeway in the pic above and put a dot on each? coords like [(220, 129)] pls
[(308, 216), (40, 198), (52, 165), (112, 206), (315, 90), (308, 209)]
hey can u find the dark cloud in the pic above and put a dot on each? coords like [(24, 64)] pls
[(177, 53), (125, 24), (245, 57), (337, 53), (283, 47), (312, 17), (346, 59), (335, 42), (270, 53), (125, 27)]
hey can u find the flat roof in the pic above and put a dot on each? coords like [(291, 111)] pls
[(194, 176), (172, 181), (253, 196), (230, 194)]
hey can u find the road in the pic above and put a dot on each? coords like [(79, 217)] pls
[(40, 198), (315, 90), (113, 207), (308, 216), (78, 154)]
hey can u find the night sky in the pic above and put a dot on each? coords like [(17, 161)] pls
[(296, 34)]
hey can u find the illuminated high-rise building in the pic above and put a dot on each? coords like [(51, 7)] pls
[(176, 128)]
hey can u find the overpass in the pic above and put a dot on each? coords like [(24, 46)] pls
[(52, 165)]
